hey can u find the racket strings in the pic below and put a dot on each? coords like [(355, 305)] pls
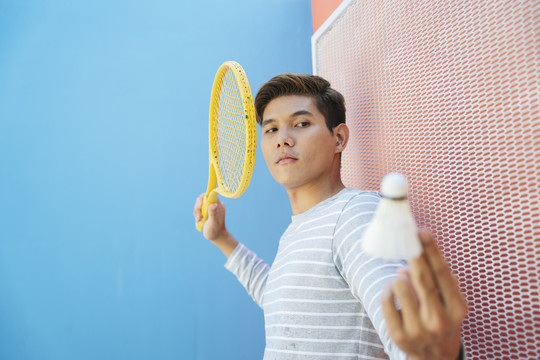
[(231, 133)]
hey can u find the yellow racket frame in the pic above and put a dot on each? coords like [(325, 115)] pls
[(216, 183)]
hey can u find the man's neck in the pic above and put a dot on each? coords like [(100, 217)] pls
[(306, 197)]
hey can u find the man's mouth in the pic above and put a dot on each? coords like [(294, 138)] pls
[(286, 159)]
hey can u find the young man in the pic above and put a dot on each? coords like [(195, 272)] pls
[(323, 297)]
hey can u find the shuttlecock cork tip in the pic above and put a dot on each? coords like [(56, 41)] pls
[(395, 187)]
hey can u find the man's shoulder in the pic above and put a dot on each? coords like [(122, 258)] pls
[(359, 202), (356, 196), (345, 202), (357, 211)]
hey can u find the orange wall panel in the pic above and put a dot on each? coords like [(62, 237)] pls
[(321, 10)]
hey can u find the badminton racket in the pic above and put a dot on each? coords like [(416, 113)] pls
[(232, 136)]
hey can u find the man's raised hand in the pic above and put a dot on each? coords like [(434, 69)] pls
[(428, 325)]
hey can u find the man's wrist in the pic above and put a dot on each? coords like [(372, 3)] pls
[(226, 243)]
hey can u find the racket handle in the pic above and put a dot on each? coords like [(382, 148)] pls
[(207, 201)]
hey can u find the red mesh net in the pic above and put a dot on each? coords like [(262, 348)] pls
[(447, 93)]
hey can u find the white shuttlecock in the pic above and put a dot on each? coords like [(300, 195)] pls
[(392, 233)]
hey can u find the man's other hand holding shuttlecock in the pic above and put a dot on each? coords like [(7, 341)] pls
[(427, 322)]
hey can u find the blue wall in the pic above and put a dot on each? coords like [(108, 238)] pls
[(103, 149)]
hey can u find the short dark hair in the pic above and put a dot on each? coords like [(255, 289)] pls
[(329, 102)]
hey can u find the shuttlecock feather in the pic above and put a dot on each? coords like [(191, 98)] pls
[(392, 233)]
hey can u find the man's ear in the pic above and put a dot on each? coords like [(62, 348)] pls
[(341, 134)]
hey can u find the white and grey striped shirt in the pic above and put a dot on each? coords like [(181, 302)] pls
[(321, 298)]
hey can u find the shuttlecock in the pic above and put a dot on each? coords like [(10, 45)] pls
[(392, 233)]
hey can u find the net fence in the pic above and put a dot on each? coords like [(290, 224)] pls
[(447, 93)]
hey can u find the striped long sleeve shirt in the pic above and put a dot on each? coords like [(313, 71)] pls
[(321, 297)]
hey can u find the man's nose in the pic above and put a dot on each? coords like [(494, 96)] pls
[(285, 138)]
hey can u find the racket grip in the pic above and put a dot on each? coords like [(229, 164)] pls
[(207, 201)]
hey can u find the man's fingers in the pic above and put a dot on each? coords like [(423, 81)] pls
[(197, 208), (215, 211), (215, 224), (392, 316), (212, 208), (424, 283), (447, 283), (404, 272), (405, 295)]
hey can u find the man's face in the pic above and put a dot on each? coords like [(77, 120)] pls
[(297, 146)]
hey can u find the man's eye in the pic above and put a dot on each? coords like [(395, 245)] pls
[(303, 124), (270, 130)]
